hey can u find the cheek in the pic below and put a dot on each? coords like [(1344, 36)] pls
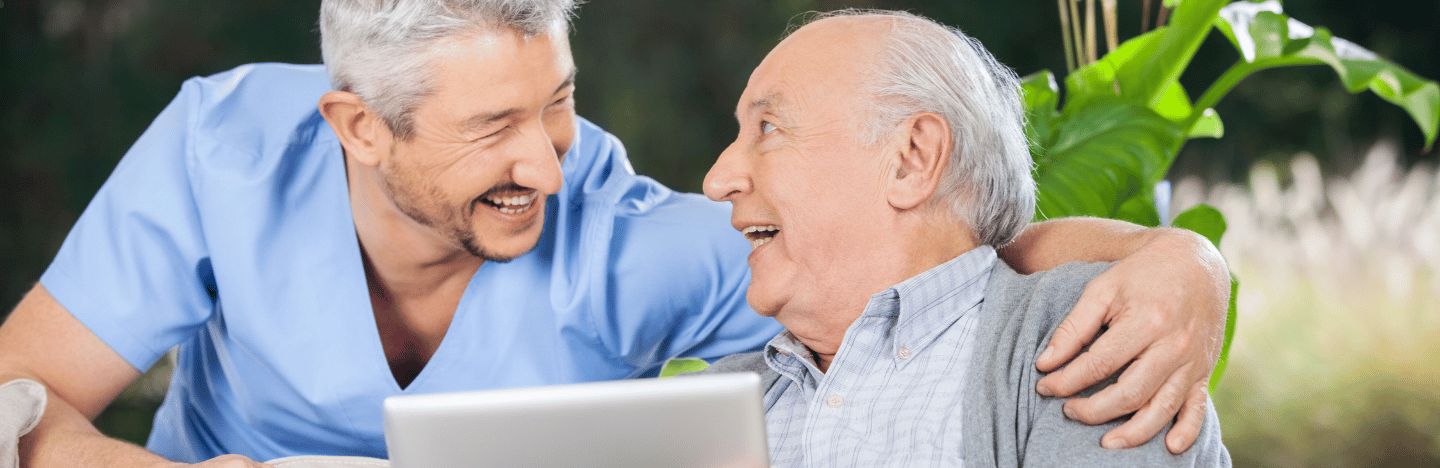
[(560, 126)]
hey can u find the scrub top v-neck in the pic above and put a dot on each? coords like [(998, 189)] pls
[(226, 230)]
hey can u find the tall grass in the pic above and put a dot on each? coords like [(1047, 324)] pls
[(1336, 358)]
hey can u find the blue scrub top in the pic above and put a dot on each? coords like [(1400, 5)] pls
[(227, 230)]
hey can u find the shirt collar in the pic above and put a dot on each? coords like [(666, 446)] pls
[(922, 306), (930, 302)]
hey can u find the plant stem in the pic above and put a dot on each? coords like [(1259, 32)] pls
[(1065, 34), (1075, 30), (1145, 17), (1164, 16), (1090, 31), (1217, 90), (1112, 26)]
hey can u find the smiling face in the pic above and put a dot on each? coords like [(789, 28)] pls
[(487, 142), (806, 193)]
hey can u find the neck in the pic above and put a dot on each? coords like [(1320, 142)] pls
[(918, 242), (406, 258)]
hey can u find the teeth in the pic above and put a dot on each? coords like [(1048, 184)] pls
[(512, 205), (757, 240), (753, 229)]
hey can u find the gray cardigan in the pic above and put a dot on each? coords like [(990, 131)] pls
[(1008, 424)]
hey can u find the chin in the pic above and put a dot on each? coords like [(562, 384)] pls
[(763, 303)]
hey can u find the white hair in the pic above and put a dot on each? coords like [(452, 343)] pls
[(929, 67), (380, 49)]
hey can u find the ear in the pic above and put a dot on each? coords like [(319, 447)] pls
[(362, 132), (924, 151)]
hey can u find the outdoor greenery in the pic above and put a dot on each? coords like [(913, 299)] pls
[(1126, 116), (1334, 361), (1339, 351)]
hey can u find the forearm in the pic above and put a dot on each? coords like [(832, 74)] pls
[(65, 438), (1046, 245)]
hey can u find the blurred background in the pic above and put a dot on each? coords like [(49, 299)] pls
[(1333, 204)]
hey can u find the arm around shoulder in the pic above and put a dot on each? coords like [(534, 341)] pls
[(1055, 440)]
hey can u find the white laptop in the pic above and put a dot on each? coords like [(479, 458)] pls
[(700, 421)]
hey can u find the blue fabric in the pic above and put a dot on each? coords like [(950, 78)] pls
[(892, 395), (227, 230)]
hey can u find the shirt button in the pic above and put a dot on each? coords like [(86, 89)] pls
[(835, 401), (904, 353)]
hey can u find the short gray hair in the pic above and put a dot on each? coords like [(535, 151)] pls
[(380, 49), (929, 67)]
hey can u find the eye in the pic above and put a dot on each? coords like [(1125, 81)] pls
[(494, 134), (766, 127)]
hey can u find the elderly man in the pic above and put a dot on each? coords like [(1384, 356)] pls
[(881, 161), (411, 233)]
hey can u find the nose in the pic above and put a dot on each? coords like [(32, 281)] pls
[(537, 165), (729, 177)]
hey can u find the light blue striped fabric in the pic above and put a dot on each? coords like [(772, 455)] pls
[(892, 395)]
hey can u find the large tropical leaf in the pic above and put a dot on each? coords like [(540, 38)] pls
[(1041, 98), (1266, 37), (1156, 64), (1102, 156), (1102, 80)]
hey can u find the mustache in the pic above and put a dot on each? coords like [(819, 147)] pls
[(505, 187)]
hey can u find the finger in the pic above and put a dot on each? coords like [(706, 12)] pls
[(1113, 350), (1079, 327), (1192, 417), (1152, 416), (1136, 385)]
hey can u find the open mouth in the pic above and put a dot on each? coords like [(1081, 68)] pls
[(760, 235), (514, 204)]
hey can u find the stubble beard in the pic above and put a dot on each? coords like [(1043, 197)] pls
[(453, 224)]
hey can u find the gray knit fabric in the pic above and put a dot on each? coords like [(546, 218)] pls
[(22, 402), (1007, 423)]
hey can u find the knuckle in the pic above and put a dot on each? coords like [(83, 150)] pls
[(1066, 330), (1170, 400), (1131, 397), (1099, 366)]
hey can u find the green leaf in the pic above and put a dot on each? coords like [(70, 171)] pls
[(1230, 316), (1101, 157), (1158, 62), (1267, 38), (1175, 105), (1205, 220), (1139, 209), (679, 366), (1042, 98)]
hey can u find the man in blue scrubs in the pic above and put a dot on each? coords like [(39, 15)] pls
[(443, 221)]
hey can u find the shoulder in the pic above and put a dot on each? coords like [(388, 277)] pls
[(262, 108), (745, 362)]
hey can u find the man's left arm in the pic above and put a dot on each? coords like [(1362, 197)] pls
[(1162, 306)]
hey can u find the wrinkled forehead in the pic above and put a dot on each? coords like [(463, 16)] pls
[(822, 65)]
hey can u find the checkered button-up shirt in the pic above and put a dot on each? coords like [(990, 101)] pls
[(893, 392)]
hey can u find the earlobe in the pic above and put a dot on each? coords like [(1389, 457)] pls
[(361, 132), (923, 154)]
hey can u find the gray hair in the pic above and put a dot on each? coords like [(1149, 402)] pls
[(380, 49), (929, 67)]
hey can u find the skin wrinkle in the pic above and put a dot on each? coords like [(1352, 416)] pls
[(451, 151), (833, 197)]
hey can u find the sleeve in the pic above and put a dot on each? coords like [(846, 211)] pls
[(681, 275), (135, 268), (1058, 441), (1054, 440)]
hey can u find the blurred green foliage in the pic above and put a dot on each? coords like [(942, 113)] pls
[(82, 79)]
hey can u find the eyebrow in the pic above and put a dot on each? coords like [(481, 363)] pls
[(770, 100), (482, 120)]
